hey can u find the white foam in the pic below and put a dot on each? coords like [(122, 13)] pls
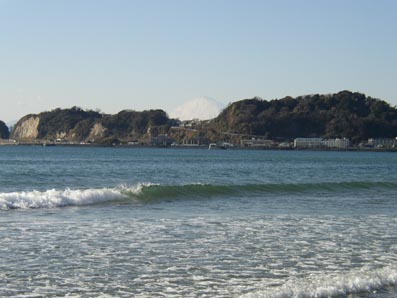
[(317, 286), (68, 197)]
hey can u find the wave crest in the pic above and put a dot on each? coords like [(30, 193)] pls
[(147, 192), (59, 198)]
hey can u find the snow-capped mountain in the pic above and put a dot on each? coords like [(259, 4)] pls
[(202, 108)]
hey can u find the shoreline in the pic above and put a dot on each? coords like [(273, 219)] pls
[(353, 149)]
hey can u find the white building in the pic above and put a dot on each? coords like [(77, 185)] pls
[(321, 143), (337, 143), (383, 143), (257, 143), (308, 143)]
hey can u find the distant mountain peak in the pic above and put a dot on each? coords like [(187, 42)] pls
[(202, 108)]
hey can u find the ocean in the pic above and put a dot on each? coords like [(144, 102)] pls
[(141, 222)]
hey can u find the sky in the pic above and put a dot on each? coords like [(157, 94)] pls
[(113, 55)]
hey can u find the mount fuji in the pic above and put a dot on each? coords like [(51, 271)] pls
[(202, 108)]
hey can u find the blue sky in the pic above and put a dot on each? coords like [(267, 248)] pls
[(115, 55)]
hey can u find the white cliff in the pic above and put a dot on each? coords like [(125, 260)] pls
[(27, 128)]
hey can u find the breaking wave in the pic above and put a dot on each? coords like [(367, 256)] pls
[(342, 285), (60, 198), (147, 192)]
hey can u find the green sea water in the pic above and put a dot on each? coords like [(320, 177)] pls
[(139, 222)]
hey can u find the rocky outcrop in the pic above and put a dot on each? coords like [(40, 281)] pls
[(60, 124), (97, 132), (27, 128), (61, 135)]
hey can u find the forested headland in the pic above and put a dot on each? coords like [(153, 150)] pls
[(345, 114)]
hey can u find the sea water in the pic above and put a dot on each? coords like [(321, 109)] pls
[(131, 222)]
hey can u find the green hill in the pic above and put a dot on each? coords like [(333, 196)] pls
[(132, 125), (77, 125), (74, 122), (344, 114)]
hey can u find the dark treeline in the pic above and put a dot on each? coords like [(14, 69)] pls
[(4, 132)]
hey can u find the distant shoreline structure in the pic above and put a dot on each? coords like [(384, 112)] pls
[(4, 143)]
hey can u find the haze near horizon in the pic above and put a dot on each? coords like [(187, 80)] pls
[(153, 54)]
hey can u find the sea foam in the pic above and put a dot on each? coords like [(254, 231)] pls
[(68, 197), (338, 285)]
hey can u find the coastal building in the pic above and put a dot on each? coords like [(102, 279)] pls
[(308, 143), (383, 142), (198, 141), (161, 140), (322, 143), (337, 143), (257, 143)]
